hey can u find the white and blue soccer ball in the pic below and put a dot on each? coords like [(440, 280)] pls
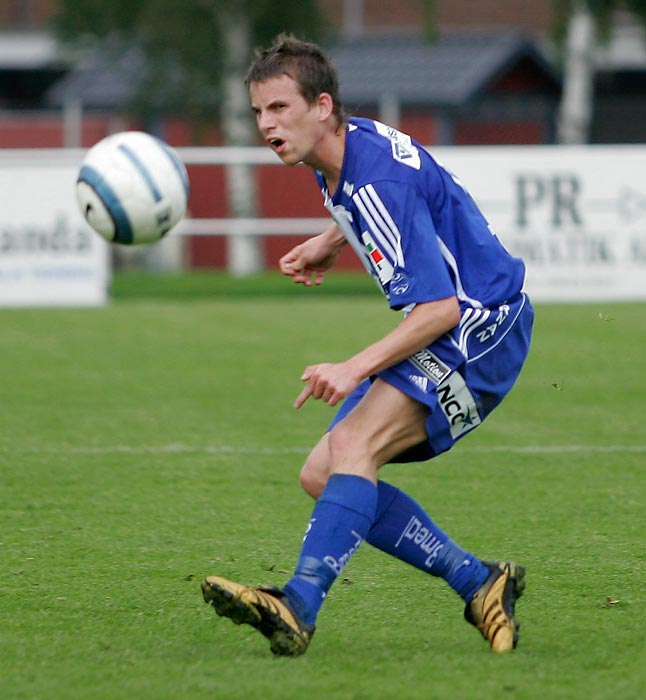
[(132, 188)]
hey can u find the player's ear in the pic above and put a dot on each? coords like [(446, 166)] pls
[(325, 105)]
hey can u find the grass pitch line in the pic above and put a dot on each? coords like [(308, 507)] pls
[(178, 448), (560, 449)]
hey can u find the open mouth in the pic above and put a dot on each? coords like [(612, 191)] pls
[(276, 144)]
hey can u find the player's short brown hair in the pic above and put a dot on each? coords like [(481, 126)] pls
[(305, 63)]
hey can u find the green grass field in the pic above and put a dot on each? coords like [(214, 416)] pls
[(152, 442)]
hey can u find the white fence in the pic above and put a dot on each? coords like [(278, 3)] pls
[(577, 215)]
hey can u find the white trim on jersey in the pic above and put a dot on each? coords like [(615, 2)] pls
[(451, 262), (470, 322), (382, 226)]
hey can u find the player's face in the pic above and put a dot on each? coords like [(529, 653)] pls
[(290, 126)]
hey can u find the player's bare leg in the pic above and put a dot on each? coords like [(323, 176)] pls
[(281, 615), (492, 608), (345, 461), (363, 442)]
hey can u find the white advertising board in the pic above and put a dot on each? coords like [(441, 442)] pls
[(576, 215), (48, 254)]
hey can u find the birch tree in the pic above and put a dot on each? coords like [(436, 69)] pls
[(580, 26), (197, 53)]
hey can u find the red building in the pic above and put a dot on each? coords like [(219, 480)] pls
[(482, 81)]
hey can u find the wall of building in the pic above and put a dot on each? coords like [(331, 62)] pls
[(450, 15), (372, 15), (25, 14), (526, 15), (208, 183)]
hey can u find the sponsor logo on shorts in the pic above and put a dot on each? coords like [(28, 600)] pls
[(419, 382), (458, 405), (490, 330), (430, 365)]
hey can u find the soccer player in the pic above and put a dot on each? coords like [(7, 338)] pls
[(412, 394)]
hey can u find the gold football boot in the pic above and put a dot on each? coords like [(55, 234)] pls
[(493, 606), (266, 609)]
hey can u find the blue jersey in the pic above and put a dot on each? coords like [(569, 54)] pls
[(414, 226), (421, 236)]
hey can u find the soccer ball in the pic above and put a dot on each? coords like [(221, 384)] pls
[(132, 188)]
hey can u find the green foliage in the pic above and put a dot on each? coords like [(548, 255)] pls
[(181, 39), (429, 19), (150, 443)]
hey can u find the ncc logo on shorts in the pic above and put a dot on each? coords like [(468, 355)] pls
[(458, 405)]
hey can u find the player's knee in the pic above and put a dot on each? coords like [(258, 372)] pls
[(314, 475), (312, 482)]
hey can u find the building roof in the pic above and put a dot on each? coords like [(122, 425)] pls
[(104, 80), (448, 73)]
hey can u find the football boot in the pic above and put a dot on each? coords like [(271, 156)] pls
[(267, 609), (492, 608)]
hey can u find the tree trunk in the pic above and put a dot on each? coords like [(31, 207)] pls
[(575, 112), (244, 251)]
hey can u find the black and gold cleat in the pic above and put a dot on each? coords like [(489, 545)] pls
[(266, 609), (492, 609)]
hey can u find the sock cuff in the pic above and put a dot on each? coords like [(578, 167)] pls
[(353, 492), (386, 495)]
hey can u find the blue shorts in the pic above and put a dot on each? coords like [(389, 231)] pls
[(491, 344)]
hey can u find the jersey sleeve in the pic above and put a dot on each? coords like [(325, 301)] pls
[(400, 237)]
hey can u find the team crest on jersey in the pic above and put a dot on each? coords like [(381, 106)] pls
[(379, 261), (399, 284), (403, 149)]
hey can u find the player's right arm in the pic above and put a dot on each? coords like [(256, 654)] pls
[(308, 262)]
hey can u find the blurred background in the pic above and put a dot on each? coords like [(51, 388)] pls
[(510, 73)]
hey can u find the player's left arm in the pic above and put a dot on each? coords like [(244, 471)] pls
[(397, 215), (427, 322)]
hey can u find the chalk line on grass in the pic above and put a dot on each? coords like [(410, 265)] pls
[(180, 448)]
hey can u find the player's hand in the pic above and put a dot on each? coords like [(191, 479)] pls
[(329, 382), (308, 262), (297, 264)]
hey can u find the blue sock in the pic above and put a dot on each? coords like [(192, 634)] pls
[(340, 520), (403, 529)]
